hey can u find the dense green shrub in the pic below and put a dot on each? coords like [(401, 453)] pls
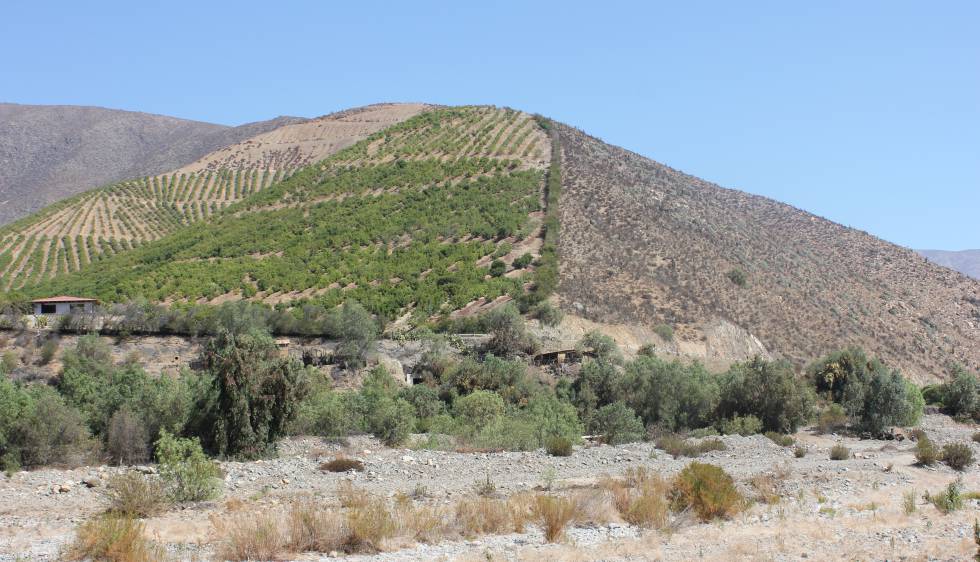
[(379, 409), (324, 412), (670, 395), (357, 331), (831, 418), (708, 490), (256, 394), (767, 390), (600, 345), (508, 332), (38, 428), (98, 388), (507, 377), (187, 472), (617, 423), (961, 395), (558, 446), (523, 261), (426, 403), (479, 408), (871, 394), (957, 455), (497, 268), (740, 425)]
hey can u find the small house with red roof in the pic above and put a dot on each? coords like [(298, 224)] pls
[(63, 305)]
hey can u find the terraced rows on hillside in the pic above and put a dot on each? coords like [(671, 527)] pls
[(69, 235), (411, 217)]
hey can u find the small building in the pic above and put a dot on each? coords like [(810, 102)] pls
[(63, 305)]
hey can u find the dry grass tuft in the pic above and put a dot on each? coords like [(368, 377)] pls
[(351, 496), (314, 529), (368, 525), (839, 453), (250, 536), (641, 498), (137, 495), (113, 538), (554, 514), (766, 488), (480, 516)]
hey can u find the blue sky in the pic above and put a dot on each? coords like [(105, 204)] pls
[(867, 113)]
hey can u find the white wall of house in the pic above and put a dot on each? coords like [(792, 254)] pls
[(63, 307)]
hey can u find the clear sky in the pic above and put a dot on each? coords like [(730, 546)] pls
[(867, 113)]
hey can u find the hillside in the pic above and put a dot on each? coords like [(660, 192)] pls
[(645, 244), (966, 262), (409, 218), (74, 232), (405, 208), (48, 153)]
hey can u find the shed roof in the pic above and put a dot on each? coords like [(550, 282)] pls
[(63, 298)]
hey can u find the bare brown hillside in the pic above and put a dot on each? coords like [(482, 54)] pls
[(48, 153), (645, 244), (300, 144)]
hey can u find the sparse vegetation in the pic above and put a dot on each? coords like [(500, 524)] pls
[(948, 500), (708, 490), (957, 455), (113, 538), (188, 473), (839, 453), (135, 495), (678, 447), (926, 453), (342, 464)]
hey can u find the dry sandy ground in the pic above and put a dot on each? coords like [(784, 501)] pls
[(828, 510)]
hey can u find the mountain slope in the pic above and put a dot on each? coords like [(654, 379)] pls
[(966, 262), (408, 219), (74, 232), (644, 244), (48, 153)]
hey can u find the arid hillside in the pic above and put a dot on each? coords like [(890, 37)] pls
[(642, 243), (48, 153)]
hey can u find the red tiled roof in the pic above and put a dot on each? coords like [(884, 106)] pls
[(64, 299)]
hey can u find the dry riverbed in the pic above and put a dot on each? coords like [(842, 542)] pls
[(827, 510)]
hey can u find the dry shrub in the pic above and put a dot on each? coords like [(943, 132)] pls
[(137, 495), (368, 525), (250, 536), (521, 509), (314, 529), (708, 490), (480, 516), (351, 496), (678, 447), (839, 452), (342, 464), (595, 507), (957, 455), (781, 439), (641, 499), (926, 452), (554, 514), (113, 538), (766, 487), (425, 524)]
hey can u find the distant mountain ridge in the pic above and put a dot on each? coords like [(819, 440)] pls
[(51, 152), (966, 262)]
